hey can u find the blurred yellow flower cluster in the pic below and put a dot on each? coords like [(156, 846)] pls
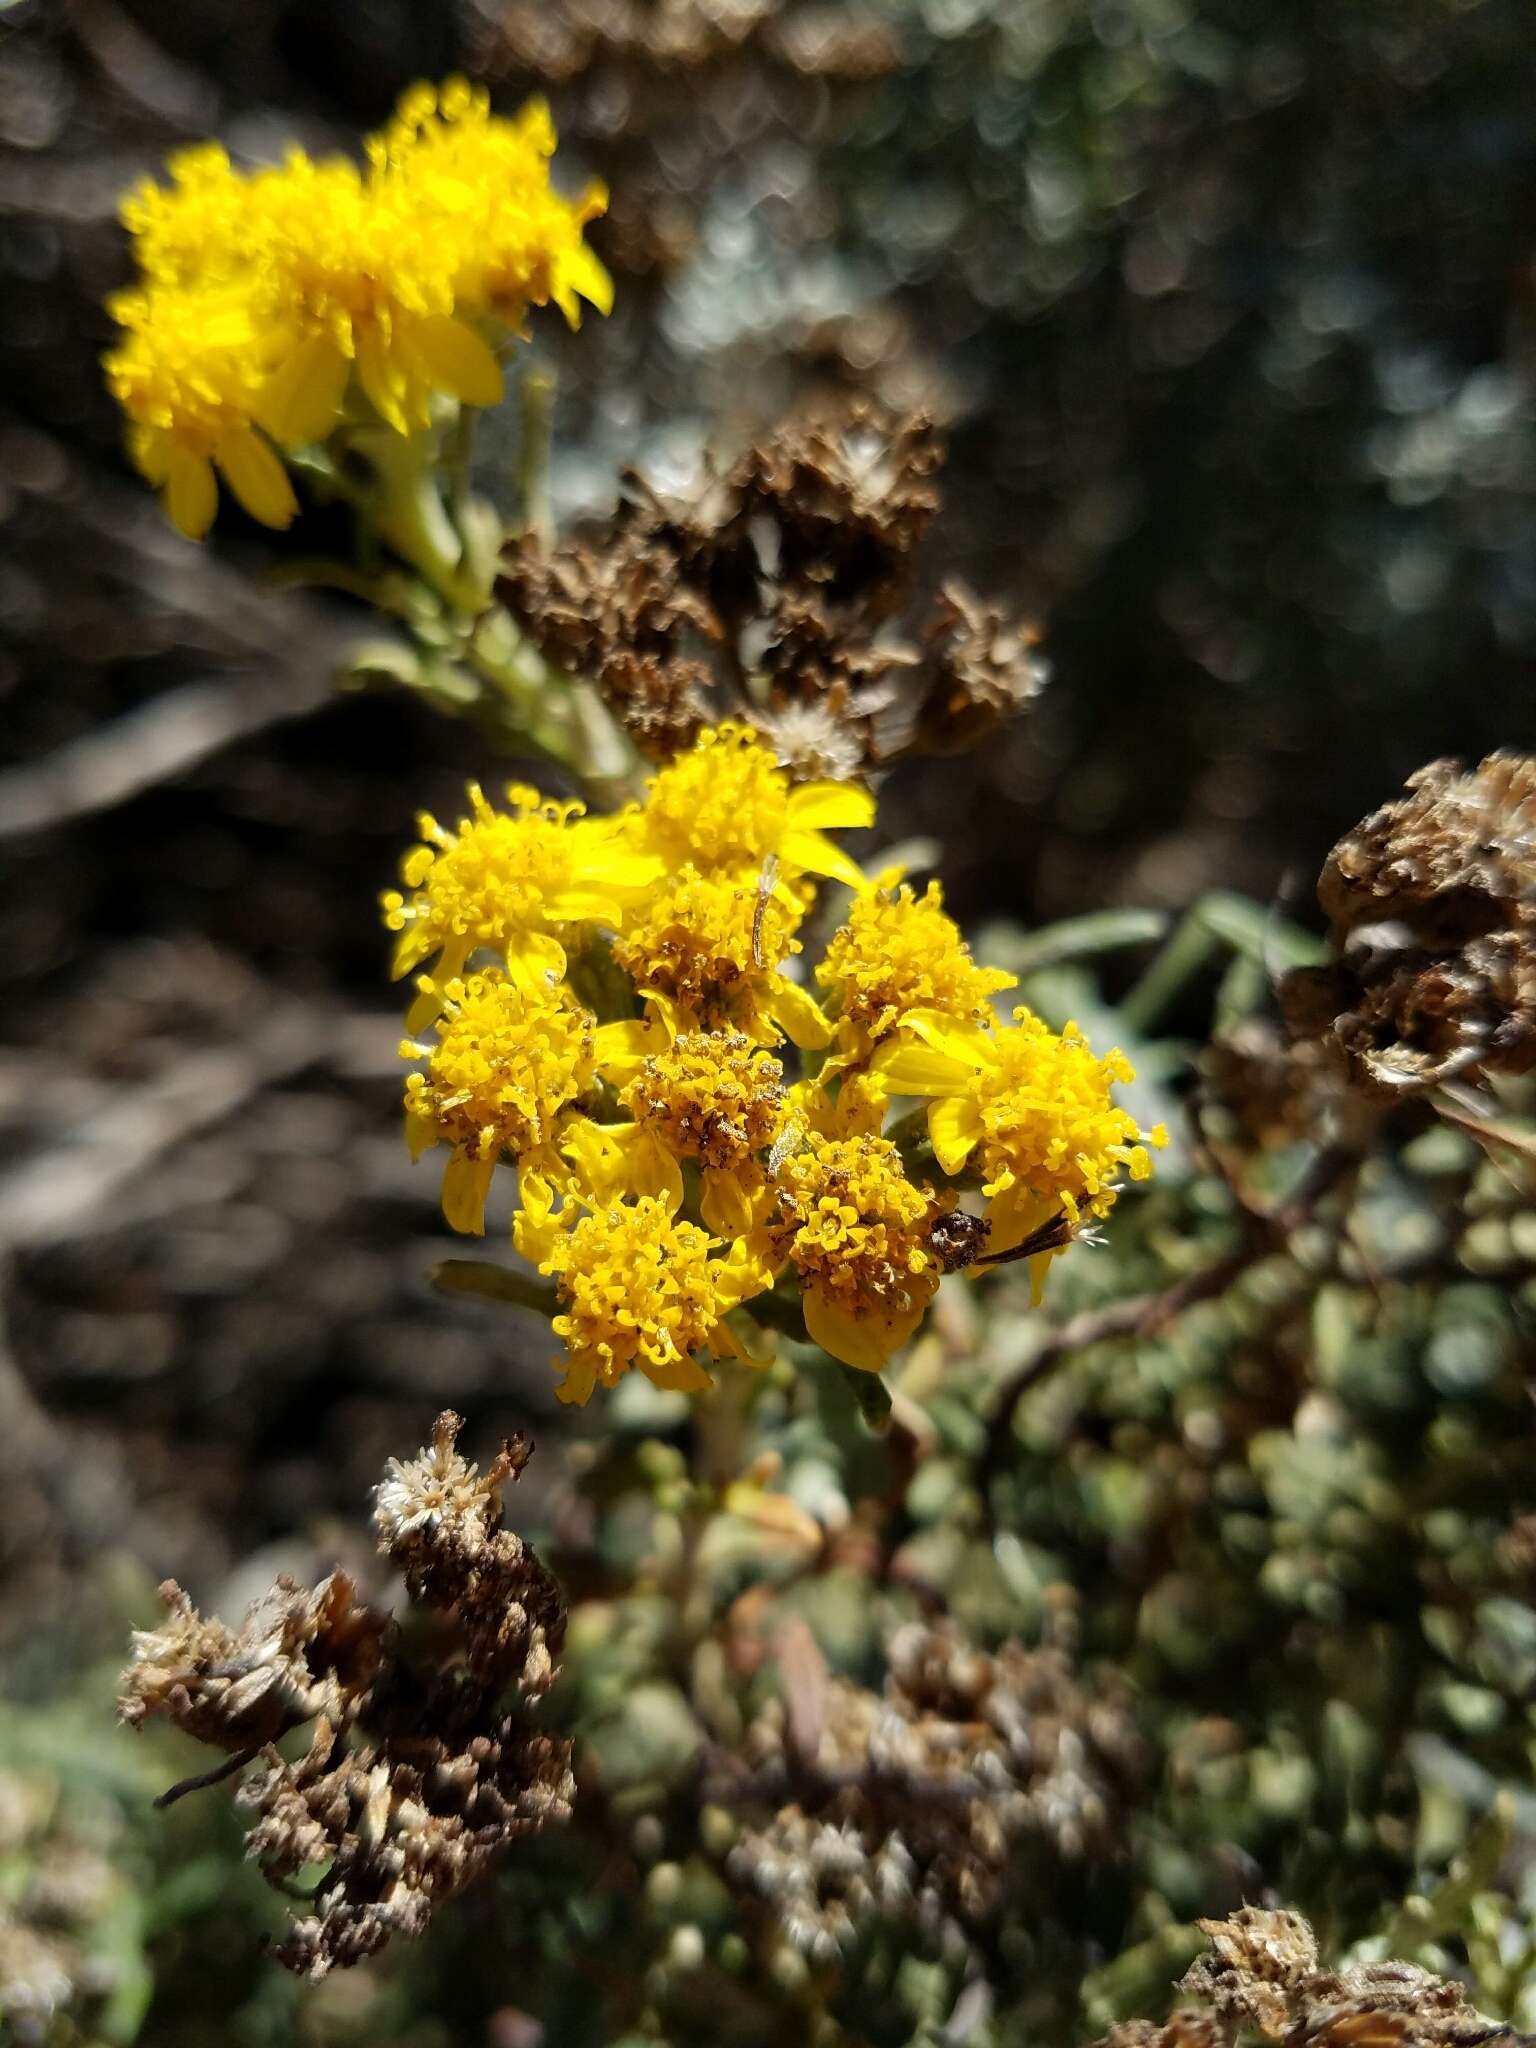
[(610, 1005), (266, 297)]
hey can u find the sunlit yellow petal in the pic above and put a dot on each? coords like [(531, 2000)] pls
[(257, 477), (953, 1129), (624, 1046), (677, 1375), (583, 906), (191, 492), (457, 360), (723, 1203), (798, 1015), (382, 380), (957, 1039), (813, 854), (917, 1070), (300, 400), (864, 1338), (466, 1183), (829, 806)]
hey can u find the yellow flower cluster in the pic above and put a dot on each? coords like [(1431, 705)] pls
[(265, 296), (614, 1001)]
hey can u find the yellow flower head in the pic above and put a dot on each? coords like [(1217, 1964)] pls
[(727, 805), (509, 1059), (508, 883), (196, 229), (639, 1288), (1035, 1109), (708, 946), (717, 1097), (267, 291), (484, 181), (857, 1232), (897, 953), (188, 375)]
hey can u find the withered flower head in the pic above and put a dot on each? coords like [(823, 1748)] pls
[(1432, 908), (983, 669), (771, 593), (973, 1777), (296, 1655), (1263, 1979), (418, 1772)]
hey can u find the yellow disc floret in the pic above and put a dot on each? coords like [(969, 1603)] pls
[(508, 883), (638, 1288), (716, 1097), (483, 180), (709, 947), (857, 1231), (509, 1059), (727, 805), (899, 952), (1033, 1107)]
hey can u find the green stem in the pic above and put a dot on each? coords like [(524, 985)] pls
[(538, 430), (496, 1283)]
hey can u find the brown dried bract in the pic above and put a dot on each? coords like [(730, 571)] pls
[(982, 670), (1432, 905), (1262, 1978), (296, 1655), (770, 592), (974, 1775), (418, 1773)]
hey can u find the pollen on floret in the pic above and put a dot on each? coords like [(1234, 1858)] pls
[(717, 1097), (858, 1232), (723, 804), (502, 880), (726, 805), (508, 1059), (639, 1290), (899, 952), (710, 945), (1049, 1125)]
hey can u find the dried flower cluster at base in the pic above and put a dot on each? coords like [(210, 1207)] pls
[(419, 1771), (973, 1779), (772, 590), (1263, 1982), (1432, 909)]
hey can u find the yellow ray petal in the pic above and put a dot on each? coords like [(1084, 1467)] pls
[(257, 477), (954, 1126), (864, 1340), (300, 400), (917, 1070), (466, 1183), (456, 359), (829, 806), (191, 492), (813, 853), (622, 1047), (798, 1015)]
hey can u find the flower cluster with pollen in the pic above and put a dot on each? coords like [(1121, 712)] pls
[(508, 882), (266, 296), (711, 947), (856, 1230), (897, 953), (619, 1012), (510, 1058), (639, 1289)]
